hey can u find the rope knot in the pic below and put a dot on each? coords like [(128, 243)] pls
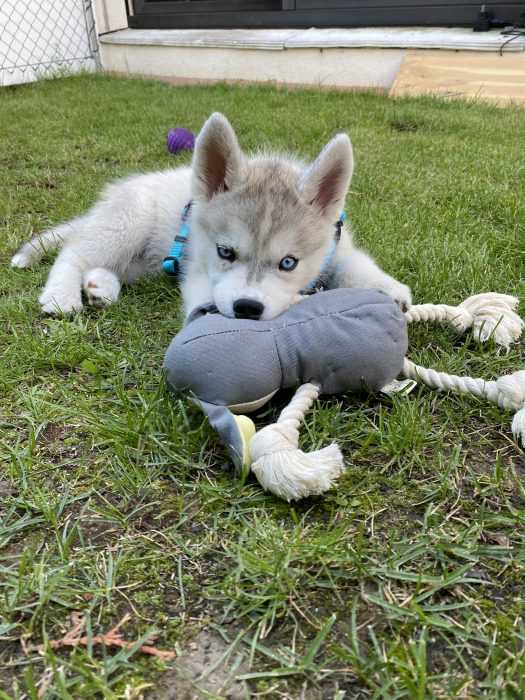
[(277, 437), (462, 319), (518, 426), (512, 386), (278, 463), (492, 316)]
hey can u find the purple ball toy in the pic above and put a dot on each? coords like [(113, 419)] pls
[(180, 139)]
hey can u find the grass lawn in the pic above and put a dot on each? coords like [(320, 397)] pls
[(408, 580)]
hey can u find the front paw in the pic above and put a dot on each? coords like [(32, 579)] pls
[(56, 303), (399, 292), (102, 287)]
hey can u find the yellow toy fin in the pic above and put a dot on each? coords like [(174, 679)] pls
[(247, 431)]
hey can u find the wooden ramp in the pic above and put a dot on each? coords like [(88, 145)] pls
[(482, 75)]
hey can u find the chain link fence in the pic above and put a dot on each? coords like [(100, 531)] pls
[(46, 38)]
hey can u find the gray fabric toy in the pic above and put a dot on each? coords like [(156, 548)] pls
[(336, 341), (332, 342)]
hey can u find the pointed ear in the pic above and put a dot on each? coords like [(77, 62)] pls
[(217, 158), (325, 183)]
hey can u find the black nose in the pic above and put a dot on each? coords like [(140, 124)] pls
[(248, 308)]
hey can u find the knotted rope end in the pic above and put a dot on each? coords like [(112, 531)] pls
[(518, 426), (288, 472), (278, 463), (492, 315)]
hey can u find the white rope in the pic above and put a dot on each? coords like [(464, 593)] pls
[(293, 415), (278, 463), (494, 391), (439, 313), (491, 316)]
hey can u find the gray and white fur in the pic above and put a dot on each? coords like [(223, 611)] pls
[(261, 227)]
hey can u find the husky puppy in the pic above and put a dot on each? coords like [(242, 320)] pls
[(263, 229)]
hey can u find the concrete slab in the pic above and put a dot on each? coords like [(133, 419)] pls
[(321, 58), (456, 38), (333, 68), (265, 39)]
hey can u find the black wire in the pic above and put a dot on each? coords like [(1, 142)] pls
[(513, 33), (112, 31)]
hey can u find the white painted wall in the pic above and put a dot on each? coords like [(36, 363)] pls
[(110, 15), (371, 68), (42, 38)]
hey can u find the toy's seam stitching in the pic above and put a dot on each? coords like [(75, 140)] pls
[(287, 325)]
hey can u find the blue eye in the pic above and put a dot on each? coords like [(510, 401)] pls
[(225, 253), (288, 263)]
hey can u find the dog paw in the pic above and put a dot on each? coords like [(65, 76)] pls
[(56, 307), (58, 302), (21, 260), (101, 287), (399, 292)]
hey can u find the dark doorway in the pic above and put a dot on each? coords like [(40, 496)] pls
[(200, 14)]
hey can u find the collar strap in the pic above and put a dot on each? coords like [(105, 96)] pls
[(339, 226), (320, 282), (172, 262)]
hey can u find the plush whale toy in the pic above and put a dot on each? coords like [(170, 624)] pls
[(331, 342)]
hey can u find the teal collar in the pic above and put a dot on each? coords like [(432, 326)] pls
[(172, 263), (320, 282)]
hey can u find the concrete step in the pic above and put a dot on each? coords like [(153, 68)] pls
[(330, 58)]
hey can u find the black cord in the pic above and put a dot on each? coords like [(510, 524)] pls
[(513, 33), (112, 31)]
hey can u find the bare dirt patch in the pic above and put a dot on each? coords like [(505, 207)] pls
[(208, 668)]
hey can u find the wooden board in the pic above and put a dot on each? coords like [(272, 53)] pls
[(487, 76)]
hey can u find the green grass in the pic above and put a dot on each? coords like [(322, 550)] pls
[(405, 581)]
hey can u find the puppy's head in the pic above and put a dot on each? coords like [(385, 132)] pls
[(263, 225)]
